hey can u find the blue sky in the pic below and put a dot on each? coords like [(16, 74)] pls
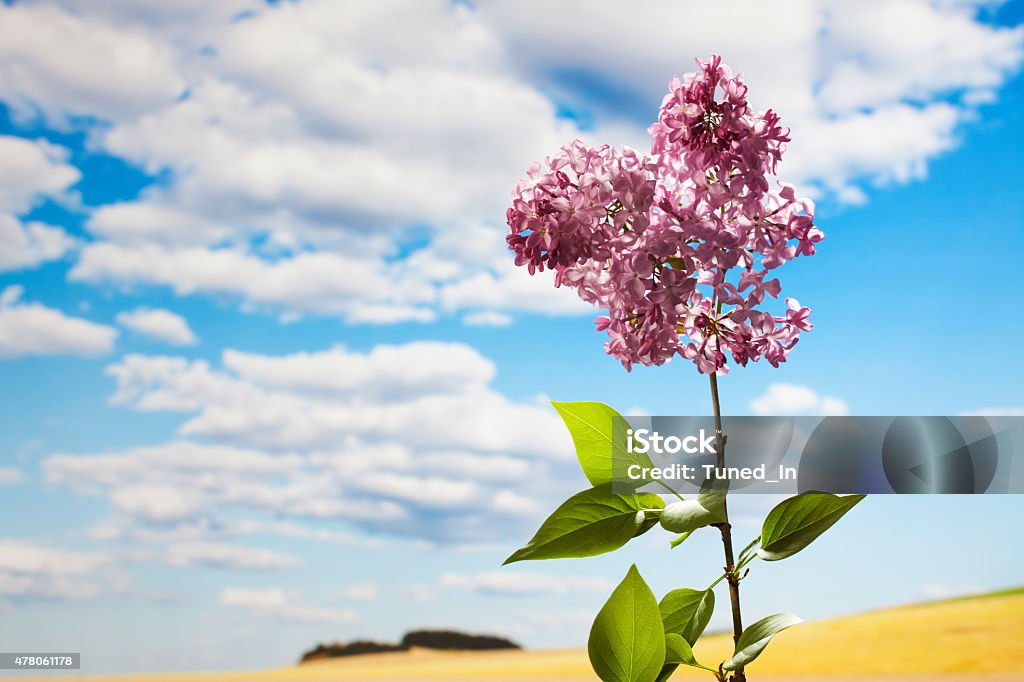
[(270, 377)]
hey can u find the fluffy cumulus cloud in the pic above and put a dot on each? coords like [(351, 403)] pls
[(31, 570), (408, 441), (360, 285), (868, 100), (31, 170), (794, 399), (34, 329), (59, 63), (25, 245), (421, 394), (278, 604), (158, 324), (364, 173)]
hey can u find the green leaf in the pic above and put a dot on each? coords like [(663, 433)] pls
[(592, 522), (795, 523), (627, 641), (687, 516), (666, 671), (755, 638), (678, 541), (712, 497), (677, 650), (686, 612), (747, 551), (599, 434)]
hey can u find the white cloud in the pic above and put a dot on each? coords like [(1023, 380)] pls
[(514, 583), (159, 324), (407, 440), (317, 282), (411, 368), (61, 64), (289, 529), (31, 169), (511, 502), (33, 570), (183, 19), (793, 399), (10, 476), (179, 461), (28, 245), (157, 502), (426, 491), (875, 62), (276, 603), (262, 404), (298, 179), (181, 481), (512, 289), (223, 555), (176, 485), (139, 532), (362, 289), (479, 467), (140, 222), (34, 329), (341, 139), (864, 97)]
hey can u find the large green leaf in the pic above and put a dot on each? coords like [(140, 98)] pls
[(686, 612), (599, 434), (755, 638), (592, 522), (666, 671), (627, 641), (795, 523)]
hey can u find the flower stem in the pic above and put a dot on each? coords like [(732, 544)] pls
[(730, 562)]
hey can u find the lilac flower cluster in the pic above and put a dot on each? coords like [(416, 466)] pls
[(652, 239)]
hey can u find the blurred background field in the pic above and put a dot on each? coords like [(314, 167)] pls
[(972, 638)]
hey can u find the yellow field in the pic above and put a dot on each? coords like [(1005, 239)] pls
[(958, 641)]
